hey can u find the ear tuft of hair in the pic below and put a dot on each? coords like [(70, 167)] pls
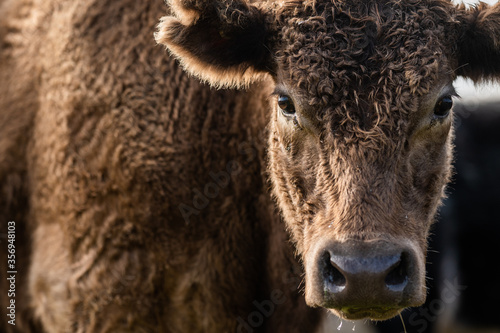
[(185, 11)]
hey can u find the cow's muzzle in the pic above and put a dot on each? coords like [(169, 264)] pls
[(365, 279)]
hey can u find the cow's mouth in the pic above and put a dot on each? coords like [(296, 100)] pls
[(373, 313)]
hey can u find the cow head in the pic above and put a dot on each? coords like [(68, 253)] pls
[(361, 124)]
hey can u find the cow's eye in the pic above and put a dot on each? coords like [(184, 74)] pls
[(286, 105), (443, 107)]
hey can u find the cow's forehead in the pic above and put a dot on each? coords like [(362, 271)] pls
[(330, 49)]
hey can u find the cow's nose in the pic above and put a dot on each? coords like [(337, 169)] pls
[(384, 274), (373, 280)]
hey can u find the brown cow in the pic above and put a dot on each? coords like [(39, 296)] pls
[(140, 196)]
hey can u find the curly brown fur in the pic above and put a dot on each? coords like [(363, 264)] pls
[(107, 145), (362, 90)]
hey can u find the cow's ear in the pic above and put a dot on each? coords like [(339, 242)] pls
[(221, 42), (478, 47)]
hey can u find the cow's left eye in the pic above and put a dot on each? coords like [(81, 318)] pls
[(443, 107), (286, 105)]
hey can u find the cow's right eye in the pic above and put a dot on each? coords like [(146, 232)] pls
[(443, 107), (286, 105)]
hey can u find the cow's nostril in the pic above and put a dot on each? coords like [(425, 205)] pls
[(397, 278), (335, 280)]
